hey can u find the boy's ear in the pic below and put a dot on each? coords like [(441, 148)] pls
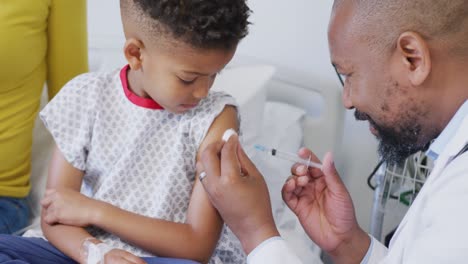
[(132, 51)]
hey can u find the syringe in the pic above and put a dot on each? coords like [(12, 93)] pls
[(287, 156)]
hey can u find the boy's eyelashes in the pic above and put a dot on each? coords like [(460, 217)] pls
[(187, 81)]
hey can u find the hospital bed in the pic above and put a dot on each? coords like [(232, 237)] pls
[(278, 108)]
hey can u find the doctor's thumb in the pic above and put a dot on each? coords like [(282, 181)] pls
[(332, 178)]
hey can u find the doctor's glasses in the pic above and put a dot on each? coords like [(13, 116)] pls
[(341, 77)]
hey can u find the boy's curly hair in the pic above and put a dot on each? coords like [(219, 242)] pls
[(199, 23)]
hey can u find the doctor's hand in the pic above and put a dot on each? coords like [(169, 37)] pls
[(68, 207), (238, 191), (325, 209)]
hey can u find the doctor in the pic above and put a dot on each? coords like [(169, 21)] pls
[(404, 67)]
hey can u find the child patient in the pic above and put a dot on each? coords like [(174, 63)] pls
[(129, 141)]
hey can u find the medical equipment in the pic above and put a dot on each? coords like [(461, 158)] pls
[(94, 253), (400, 183), (287, 156)]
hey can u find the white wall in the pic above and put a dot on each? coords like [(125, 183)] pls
[(292, 35)]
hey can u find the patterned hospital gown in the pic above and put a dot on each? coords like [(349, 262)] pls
[(139, 159)]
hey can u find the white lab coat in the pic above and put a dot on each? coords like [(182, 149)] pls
[(435, 228)]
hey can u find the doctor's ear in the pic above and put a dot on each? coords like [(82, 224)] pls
[(133, 53), (415, 56)]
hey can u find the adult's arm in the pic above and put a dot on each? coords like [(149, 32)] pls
[(67, 43)]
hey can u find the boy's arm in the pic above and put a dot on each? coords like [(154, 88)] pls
[(67, 239), (195, 239)]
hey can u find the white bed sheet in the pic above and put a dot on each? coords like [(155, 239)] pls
[(282, 128), (41, 153)]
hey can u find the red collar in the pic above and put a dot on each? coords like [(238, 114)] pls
[(132, 97)]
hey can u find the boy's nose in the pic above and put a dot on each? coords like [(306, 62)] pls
[(202, 89)]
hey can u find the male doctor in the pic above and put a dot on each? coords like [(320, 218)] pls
[(404, 67)]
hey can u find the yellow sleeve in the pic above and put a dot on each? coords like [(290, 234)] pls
[(67, 54)]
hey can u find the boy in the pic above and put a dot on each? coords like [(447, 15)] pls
[(130, 140)]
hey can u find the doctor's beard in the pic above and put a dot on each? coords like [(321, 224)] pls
[(398, 142)]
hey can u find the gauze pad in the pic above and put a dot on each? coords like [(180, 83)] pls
[(228, 133)]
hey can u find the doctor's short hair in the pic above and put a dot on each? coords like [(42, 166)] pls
[(205, 24), (380, 22)]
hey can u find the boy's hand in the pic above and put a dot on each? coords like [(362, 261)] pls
[(68, 207), (118, 256)]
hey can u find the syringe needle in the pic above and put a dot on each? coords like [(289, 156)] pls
[(288, 156)]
